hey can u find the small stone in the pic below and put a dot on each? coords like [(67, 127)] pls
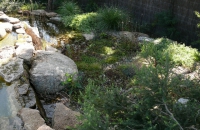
[(13, 20), (183, 100), (23, 89), (17, 26), (89, 36), (20, 31)]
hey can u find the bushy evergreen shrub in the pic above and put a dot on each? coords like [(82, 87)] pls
[(151, 103)]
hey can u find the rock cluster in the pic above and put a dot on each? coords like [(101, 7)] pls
[(24, 68)]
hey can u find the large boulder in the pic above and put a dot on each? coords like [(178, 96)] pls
[(64, 117), (12, 70), (49, 70)]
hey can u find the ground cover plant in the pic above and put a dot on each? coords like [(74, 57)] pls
[(147, 96)]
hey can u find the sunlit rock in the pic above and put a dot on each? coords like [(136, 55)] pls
[(49, 70), (7, 26), (25, 51), (13, 20), (12, 70), (20, 31), (2, 33), (6, 53), (17, 26), (4, 18)]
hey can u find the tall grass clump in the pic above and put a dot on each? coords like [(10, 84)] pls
[(32, 6), (111, 18), (69, 8)]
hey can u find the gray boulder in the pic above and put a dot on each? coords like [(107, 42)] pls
[(49, 70), (64, 117), (12, 70), (25, 51)]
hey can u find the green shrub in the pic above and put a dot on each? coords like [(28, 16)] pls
[(10, 5), (81, 22), (108, 103), (179, 54), (69, 8), (111, 18)]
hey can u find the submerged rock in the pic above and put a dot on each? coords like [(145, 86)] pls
[(49, 70)]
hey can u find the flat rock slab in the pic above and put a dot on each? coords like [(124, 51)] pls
[(12, 70), (13, 20), (31, 118), (49, 70), (64, 117)]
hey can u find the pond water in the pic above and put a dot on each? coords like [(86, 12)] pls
[(49, 31), (4, 103)]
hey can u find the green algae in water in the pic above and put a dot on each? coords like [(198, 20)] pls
[(9, 40)]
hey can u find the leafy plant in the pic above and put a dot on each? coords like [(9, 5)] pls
[(33, 6), (10, 5), (179, 54), (69, 8), (81, 22), (73, 86)]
